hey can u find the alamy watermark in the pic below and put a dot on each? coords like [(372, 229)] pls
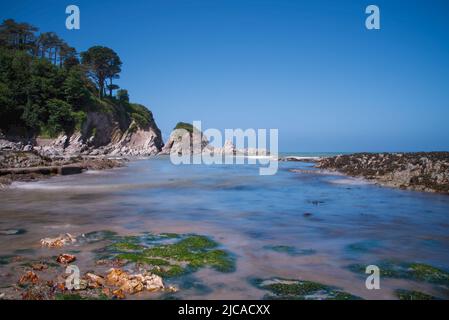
[(72, 282), (250, 147), (372, 22), (73, 21), (373, 280)]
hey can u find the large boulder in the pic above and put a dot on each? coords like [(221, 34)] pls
[(183, 141)]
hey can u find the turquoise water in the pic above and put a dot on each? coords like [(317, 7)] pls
[(331, 221)]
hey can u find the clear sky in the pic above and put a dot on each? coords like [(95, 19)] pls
[(309, 68)]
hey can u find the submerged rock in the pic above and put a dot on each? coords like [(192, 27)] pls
[(28, 278), (65, 258), (133, 283), (39, 266), (147, 258), (413, 295), (94, 281), (169, 255), (407, 270), (96, 236), (58, 242), (286, 289), (12, 232)]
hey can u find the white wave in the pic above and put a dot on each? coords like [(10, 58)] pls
[(351, 181)]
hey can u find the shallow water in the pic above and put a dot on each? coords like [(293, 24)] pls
[(335, 220)]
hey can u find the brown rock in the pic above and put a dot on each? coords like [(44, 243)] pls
[(29, 278), (58, 242), (118, 294), (39, 266), (65, 258), (94, 281)]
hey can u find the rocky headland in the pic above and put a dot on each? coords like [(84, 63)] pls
[(186, 139), (421, 171)]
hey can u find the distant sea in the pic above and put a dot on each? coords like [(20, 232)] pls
[(310, 154)]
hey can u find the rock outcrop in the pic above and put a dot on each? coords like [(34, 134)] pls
[(186, 139), (423, 171), (30, 165), (105, 134), (116, 130), (183, 141)]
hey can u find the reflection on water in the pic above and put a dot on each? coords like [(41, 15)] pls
[(340, 220)]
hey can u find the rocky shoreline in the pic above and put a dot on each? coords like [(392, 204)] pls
[(32, 166), (420, 171)]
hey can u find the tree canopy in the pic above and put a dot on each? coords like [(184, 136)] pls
[(102, 63), (47, 88)]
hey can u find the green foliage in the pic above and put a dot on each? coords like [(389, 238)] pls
[(75, 89), (17, 35), (185, 126), (14, 79), (122, 95), (61, 117), (141, 115), (102, 63), (79, 117), (45, 91)]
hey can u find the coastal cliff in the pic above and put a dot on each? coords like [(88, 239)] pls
[(107, 133), (421, 171), (113, 133), (63, 103)]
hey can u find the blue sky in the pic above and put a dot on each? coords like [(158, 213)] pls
[(308, 68)]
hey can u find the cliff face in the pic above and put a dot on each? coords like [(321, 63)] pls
[(112, 132), (423, 171)]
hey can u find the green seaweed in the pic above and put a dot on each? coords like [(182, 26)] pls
[(406, 270), (127, 246), (182, 254), (169, 235), (413, 295), (7, 259), (68, 296), (170, 271), (138, 257), (77, 296), (286, 289), (97, 236), (428, 273)]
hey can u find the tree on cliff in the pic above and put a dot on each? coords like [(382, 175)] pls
[(123, 96), (18, 36), (102, 63), (44, 90)]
